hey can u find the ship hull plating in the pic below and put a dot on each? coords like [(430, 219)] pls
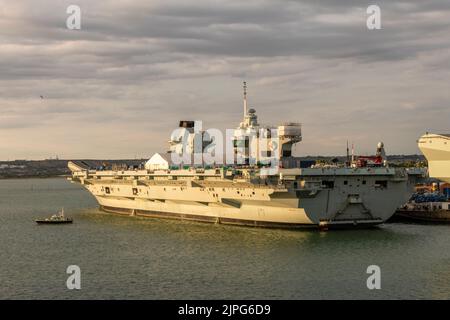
[(204, 218), (227, 220)]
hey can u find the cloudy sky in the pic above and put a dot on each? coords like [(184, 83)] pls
[(117, 87)]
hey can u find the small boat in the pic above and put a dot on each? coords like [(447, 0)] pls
[(55, 219)]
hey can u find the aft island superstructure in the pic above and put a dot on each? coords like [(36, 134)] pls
[(245, 194)]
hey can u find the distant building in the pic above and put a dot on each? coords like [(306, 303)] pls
[(159, 162)]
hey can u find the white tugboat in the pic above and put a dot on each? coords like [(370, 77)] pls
[(55, 219)]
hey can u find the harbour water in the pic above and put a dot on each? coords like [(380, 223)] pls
[(138, 258)]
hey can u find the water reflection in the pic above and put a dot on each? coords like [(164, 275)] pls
[(134, 257)]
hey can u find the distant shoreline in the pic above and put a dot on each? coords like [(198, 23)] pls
[(33, 177), (50, 168), (54, 168)]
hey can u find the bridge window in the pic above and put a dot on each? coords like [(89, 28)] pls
[(287, 153), (107, 190)]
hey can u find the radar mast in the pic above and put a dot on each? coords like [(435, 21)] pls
[(245, 99)]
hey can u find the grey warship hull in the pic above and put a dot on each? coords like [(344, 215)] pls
[(295, 198)]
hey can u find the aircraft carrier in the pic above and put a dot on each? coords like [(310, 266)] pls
[(362, 192)]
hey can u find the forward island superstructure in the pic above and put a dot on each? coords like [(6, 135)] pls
[(244, 194)]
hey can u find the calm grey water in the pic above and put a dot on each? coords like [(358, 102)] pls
[(137, 258)]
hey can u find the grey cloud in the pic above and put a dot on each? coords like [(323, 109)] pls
[(139, 66)]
